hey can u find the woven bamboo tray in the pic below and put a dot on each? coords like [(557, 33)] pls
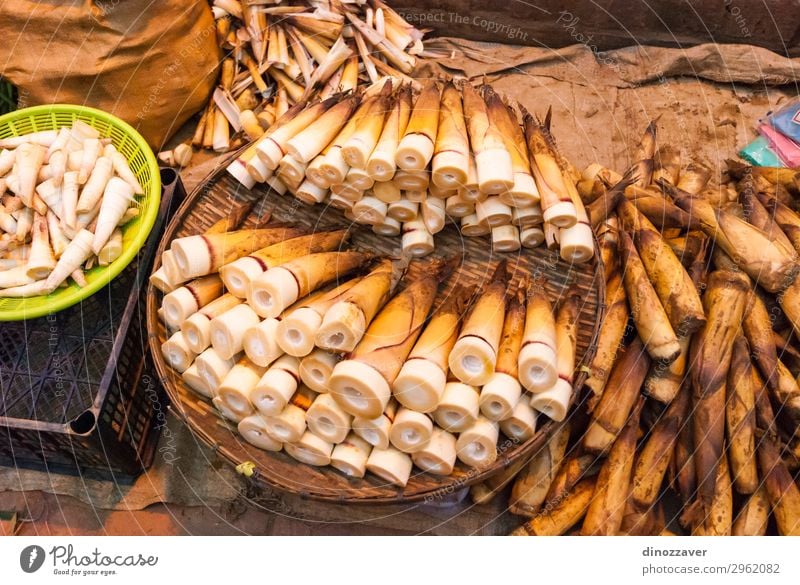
[(213, 199)]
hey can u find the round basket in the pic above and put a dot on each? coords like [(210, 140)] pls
[(134, 234), (212, 200)]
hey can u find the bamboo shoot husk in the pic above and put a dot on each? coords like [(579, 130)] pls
[(451, 152), (345, 322), (238, 274), (719, 520), (492, 161), (207, 253), (649, 315), (554, 402), (724, 301), (564, 515), (610, 336), (474, 356), (654, 457), (532, 484), (694, 178), (741, 419), (754, 515), (362, 383), (421, 381), (605, 512), (671, 282), (783, 493), (618, 399), (274, 290), (502, 392), (765, 261)]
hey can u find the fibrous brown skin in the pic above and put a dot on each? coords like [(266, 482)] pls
[(610, 336), (603, 207), (663, 213), (564, 515), (757, 214), (575, 468), (753, 517), (606, 510), (741, 419), (758, 329), (718, 520), (672, 283), (770, 264), (710, 357), (783, 493), (619, 397), (654, 457), (649, 315), (533, 483)]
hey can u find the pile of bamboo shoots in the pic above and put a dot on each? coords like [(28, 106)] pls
[(342, 358), (279, 53), (406, 162), (64, 196), (700, 398)]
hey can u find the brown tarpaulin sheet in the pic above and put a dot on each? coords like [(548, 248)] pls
[(153, 64)]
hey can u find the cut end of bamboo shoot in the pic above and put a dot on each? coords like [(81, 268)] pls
[(419, 385), (359, 388)]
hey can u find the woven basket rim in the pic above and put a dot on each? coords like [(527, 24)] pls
[(170, 380)]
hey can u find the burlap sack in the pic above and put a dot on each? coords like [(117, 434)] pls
[(153, 64)]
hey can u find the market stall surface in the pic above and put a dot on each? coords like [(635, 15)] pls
[(706, 100)]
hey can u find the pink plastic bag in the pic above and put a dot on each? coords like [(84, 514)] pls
[(787, 150)]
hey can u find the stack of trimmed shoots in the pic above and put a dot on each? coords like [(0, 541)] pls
[(701, 398), (64, 196), (279, 53), (345, 359), (404, 164)]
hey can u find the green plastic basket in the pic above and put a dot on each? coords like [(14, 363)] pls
[(143, 164)]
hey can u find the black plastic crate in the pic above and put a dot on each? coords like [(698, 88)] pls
[(77, 388)]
